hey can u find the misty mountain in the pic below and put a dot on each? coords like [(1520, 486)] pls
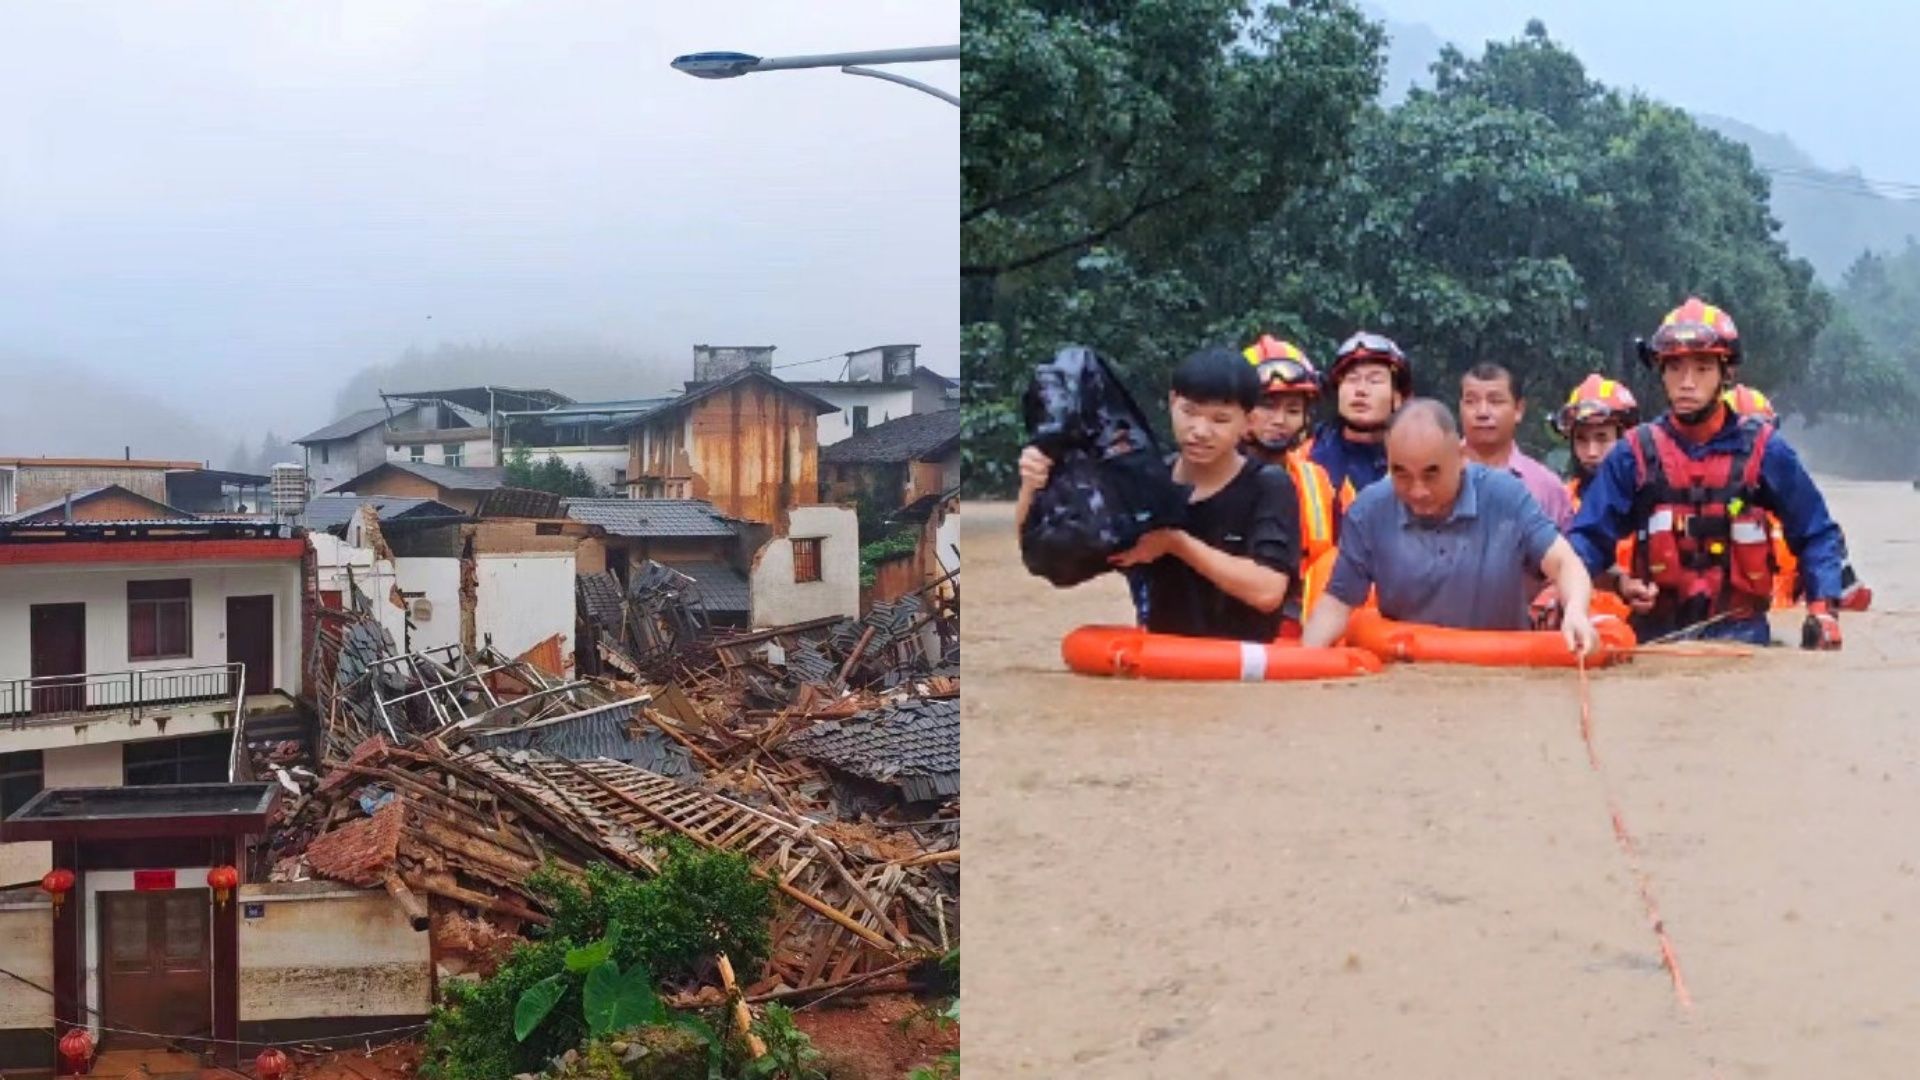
[(1828, 217), (61, 410), (1411, 50)]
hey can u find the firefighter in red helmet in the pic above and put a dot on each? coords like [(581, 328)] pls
[(1694, 488), (1289, 387)]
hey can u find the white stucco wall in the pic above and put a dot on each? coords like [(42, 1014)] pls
[(333, 557), (603, 463), (320, 950), (779, 600), (883, 403), (103, 589), (524, 599), (22, 863), (26, 948), (345, 459), (439, 579), (477, 451)]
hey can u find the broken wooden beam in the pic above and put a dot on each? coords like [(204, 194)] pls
[(416, 911)]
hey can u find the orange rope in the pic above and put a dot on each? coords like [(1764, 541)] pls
[(1668, 956)]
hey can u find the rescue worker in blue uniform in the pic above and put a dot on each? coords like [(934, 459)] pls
[(1370, 379), (1694, 488)]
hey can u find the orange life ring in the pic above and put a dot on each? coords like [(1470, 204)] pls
[(1390, 640), (1129, 651)]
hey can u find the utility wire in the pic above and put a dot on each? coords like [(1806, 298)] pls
[(357, 1036)]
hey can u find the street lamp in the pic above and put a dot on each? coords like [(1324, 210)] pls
[(732, 65)]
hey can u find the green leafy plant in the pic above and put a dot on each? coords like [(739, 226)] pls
[(904, 542), (551, 475), (790, 1054), (610, 1000), (550, 994), (945, 1067)]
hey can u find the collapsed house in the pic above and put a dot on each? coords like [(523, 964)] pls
[(445, 776)]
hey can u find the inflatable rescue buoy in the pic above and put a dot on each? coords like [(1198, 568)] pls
[(1130, 652), (1420, 644)]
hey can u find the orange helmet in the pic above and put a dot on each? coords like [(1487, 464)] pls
[(1694, 328), (1597, 399), (1282, 367), (1745, 401)]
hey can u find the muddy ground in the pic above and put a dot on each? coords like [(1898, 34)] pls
[(1416, 875)]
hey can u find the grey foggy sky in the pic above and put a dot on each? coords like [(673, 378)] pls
[(1837, 78), (228, 208)]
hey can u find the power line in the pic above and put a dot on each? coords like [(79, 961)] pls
[(1883, 190)]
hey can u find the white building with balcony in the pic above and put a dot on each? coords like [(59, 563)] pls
[(131, 651)]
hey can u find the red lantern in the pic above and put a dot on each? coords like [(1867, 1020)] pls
[(57, 883), (76, 1049), (272, 1064), (223, 879)]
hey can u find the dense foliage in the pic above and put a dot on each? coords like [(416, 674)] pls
[(701, 902), (552, 475), (1148, 177)]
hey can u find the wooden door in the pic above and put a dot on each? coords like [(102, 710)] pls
[(250, 639), (59, 649), (156, 964)]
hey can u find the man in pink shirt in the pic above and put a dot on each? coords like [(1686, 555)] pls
[(1491, 408)]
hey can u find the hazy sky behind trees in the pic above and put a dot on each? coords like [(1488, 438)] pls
[(1834, 77), (213, 214)]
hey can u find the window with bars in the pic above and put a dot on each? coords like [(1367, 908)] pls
[(21, 777), (806, 560), (193, 759), (159, 620)]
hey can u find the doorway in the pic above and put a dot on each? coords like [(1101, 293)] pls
[(156, 965), (58, 648), (250, 639)]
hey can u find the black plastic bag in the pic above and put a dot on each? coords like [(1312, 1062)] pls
[(1110, 484)]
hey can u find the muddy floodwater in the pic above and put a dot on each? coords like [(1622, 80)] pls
[(1416, 875)]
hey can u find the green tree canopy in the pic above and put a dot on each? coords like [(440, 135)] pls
[(1150, 177)]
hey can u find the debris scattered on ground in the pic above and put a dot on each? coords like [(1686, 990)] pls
[(826, 753)]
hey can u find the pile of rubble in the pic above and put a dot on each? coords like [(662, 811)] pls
[(826, 754)]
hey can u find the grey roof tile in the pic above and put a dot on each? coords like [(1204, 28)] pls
[(331, 511), (651, 517), (915, 744), (909, 438), (722, 588), (600, 595), (345, 428)]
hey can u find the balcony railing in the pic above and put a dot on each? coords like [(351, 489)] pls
[(52, 699)]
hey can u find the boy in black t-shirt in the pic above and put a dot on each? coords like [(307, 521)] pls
[(1228, 573)]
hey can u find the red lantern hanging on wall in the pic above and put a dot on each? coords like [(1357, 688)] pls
[(76, 1049), (57, 883), (272, 1064), (223, 879)]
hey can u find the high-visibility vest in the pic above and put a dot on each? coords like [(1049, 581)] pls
[(1315, 491), (1786, 581)]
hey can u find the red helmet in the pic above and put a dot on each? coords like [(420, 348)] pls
[(1370, 348), (1597, 399), (1282, 367), (1694, 328), (1745, 401)]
